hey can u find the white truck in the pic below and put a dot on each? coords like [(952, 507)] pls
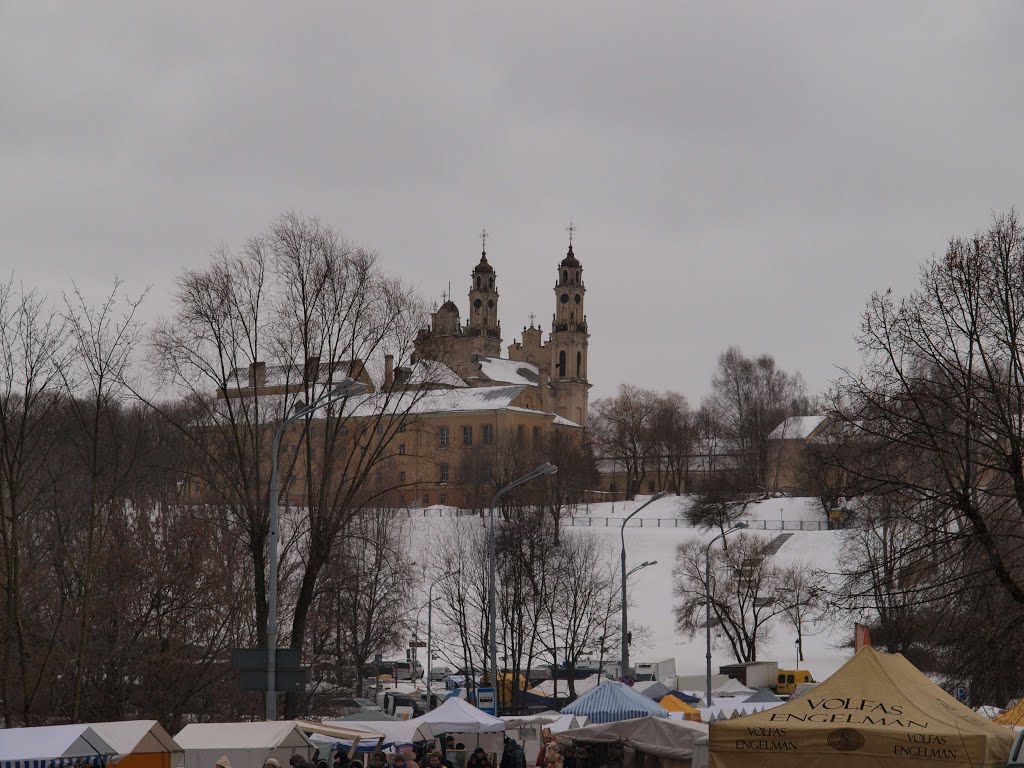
[(655, 670), (754, 674)]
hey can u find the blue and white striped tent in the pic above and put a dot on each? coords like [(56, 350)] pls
[(611, 702), (53, 746)]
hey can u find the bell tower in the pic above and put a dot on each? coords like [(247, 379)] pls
[(569, 338), (483, 305)]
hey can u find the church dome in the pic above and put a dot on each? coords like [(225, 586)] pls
[(483, 266), (570, 259), (449, 307)]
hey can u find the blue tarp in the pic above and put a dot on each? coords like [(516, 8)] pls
[(613, 701)]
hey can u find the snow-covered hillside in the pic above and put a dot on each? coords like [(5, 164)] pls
[(655, 533)]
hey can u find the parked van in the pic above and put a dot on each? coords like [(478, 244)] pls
[(789, 679)]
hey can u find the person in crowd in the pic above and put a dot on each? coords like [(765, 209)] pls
[(296, 760), (378, 760), (546, 737), (223, 762), (340, 759), (437, 760), (272, 762), (513, 755), (410, 758), (479, 759)]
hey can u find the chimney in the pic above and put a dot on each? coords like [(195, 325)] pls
[(389, 371), (542, 388), (257, 375), (312, 370)]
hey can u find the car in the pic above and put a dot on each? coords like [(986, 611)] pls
[(352, 705)]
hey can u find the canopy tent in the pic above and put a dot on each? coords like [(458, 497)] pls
[(672, 741), (397, 733), (763, 696), (53, 745), (458, 716), (363, 716), (549, 688), (1014, 716), (555, 722), (674, 704), (655, 691), (686, 697), (613, 701), (877, 710), (362, 739), (246, 745), (141, 743), (732, 687)]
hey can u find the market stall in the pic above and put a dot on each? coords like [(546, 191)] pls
[(647, 742), (877, 710), (246, 745), (53, 746), (140, 743), (614, 701)]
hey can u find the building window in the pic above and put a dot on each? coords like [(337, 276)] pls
[(579, 365), (467, 435), (561, 364), (380, 429), (444, 473), (443, 435), (488, 434), (402, 428), (401, 449), (426, 499), (520, 433), (536, 435), (401, 477), (442, 499)]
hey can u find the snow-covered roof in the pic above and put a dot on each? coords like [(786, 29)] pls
[(136, 736), (509, 371), (291, 373), (50, 741), (226, 736), (439, 401), (797, 427), (547, 688), (434, 372)]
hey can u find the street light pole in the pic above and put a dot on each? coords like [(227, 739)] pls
[(624, 658), (430, 627), (347, 388), (544, 469), (707, 599)]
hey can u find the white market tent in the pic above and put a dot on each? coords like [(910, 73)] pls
[(458, 716), (554, 721), (246, 745), (136, 739), (732, 687), (53, 744)]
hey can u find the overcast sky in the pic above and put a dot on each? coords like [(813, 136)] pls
[(739, 173)]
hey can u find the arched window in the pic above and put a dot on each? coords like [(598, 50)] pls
[(478, 281), (579, 365), (561, 364), (565, 275)]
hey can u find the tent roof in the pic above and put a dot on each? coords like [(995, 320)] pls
[(258, 735), (730, 687), (1013, 716), (395, 731), (674, 704), (614, 701), (459, 716), (556, 722), (368, 716), (339, 731), (660, 736), (876, 708), (136, 737), (762, 696), (655, 691), (48, 741)]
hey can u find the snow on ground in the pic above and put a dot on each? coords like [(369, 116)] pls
[(655, 533)]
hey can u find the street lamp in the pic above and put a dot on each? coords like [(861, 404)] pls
[(346, 388), (625, 626), (430, 626), (544, 469), (707, 597)]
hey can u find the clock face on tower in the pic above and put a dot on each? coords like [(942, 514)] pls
[(477, 304), (565, 298)]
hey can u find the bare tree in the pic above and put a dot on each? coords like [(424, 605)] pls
[(675, 435), (623, 429)]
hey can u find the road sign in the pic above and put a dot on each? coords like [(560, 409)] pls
[(960, 694), (286, 680), (417, 644), (487, 701)]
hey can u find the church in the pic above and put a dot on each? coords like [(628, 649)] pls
[(472, 349)]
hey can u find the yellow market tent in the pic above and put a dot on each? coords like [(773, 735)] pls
[(675, 704), (877, 710), (1013, 716)]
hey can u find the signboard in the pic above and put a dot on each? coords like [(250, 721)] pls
[(487, 701), (960, 694), (256, 658)]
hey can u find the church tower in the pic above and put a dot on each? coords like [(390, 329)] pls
[(483, 321), (569, 339)]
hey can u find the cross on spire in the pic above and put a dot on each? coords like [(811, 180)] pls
[(532, 317), (571, 229), (483, 241)]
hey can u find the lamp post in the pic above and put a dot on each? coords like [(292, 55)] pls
[(430, 627), (544, 469), (707, 598), (345, 389), (624, 660)]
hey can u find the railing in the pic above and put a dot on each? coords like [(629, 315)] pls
[(640, 522)]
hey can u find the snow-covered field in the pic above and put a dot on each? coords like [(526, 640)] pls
[(655, 533)]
